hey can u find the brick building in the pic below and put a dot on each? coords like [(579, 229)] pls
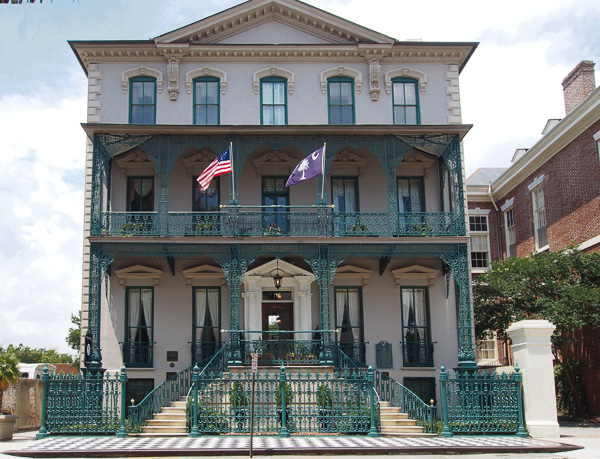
[(548, 198)]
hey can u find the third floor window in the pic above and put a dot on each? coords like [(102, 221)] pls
[(206, 100), (340, 92), (142, 100), (273, 101), (406, 101)]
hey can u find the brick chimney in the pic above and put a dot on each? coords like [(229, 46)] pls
[(579, 84)]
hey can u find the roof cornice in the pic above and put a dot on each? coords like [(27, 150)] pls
[(573, 125), (147, 51)]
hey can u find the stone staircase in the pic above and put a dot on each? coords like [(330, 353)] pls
[(169, 422), (395, 423)]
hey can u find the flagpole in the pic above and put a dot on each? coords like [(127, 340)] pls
[(323, 169), (232, 169)]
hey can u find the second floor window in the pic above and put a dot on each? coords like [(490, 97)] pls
[(208, 200), (206, 100), (511, 234), (273, 101), (207, 322), (406, 101), (340, 91), (410, 194), (349, 320), (480, 245), (539, 217), (140, 194), (142, 101)]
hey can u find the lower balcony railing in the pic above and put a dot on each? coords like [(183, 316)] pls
[(137, 354), (417, 353), (278, 221)]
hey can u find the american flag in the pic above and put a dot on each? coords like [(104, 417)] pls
[(220, 166)]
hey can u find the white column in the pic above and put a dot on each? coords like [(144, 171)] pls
[(532, 353), (252, 306)]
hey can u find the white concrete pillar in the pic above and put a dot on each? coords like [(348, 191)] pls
[(533, 354)]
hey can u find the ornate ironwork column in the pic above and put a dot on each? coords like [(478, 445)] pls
[(459, 264)]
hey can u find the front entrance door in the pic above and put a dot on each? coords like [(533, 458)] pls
[(277, 317)]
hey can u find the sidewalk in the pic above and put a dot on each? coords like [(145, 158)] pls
[(573, 435)]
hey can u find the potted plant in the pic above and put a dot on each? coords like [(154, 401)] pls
[(324, 402), (9, 374), (289, 397), (239, 404)]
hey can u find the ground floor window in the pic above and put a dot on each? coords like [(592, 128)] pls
[(416, 341), (349, 320), (139, 333), (207, 323)]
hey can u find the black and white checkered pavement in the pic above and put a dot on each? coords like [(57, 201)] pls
[(232, 445)]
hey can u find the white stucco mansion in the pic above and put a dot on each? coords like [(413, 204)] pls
[(374, 261)]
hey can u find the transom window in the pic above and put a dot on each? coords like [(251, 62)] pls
[(206, 100), (142, 100), (480, 245), (273, 100), (341, 100), (140, 194), (406, 101)]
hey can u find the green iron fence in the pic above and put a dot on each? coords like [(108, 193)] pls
[(474, 402), (74, 404), (282, 351), (258, 221), (285, 402)]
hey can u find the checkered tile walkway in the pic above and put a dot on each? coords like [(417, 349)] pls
[(230, 445)]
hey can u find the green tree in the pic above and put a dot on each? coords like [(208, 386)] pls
[(26, 354), (562, 287), (74, 337), (9, 372)]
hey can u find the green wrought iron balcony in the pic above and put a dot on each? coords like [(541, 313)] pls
[(137, 354), (417, 353), (278, 221)]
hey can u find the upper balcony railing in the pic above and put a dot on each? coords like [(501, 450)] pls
[(276, 221)]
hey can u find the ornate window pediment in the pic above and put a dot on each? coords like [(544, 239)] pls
[(274, 162), (349, 159), (273, 72), (341, 71), (134, 163), (138, 272), (195, 164), (406, 73), (205, 71), (415, 273), (349, 272), (203, 272), (141, 71), (416, 161)]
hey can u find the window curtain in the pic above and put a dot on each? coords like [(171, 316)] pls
[(354, 307), (340, 302), (134, 314), (213, 306), (200, 308), (143, 187), (147, 308)]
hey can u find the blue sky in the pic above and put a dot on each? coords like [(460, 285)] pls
[(509, 88)]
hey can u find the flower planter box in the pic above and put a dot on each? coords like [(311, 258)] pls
[(7, 426)]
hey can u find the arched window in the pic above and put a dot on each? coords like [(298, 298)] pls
[(406, 101), (206, 100), (273, 100), (142, 100), (340, 93)]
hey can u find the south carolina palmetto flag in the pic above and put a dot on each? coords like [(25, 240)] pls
[(220, 166), (309, 167)]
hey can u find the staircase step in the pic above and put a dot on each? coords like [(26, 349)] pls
[(166, 423), (167, 416), (164, 430), (398, 422)]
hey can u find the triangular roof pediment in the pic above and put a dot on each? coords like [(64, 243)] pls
[(294, 21), (203, 272), (354, 272), (138, 272), (283, 267), (415, 272)]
